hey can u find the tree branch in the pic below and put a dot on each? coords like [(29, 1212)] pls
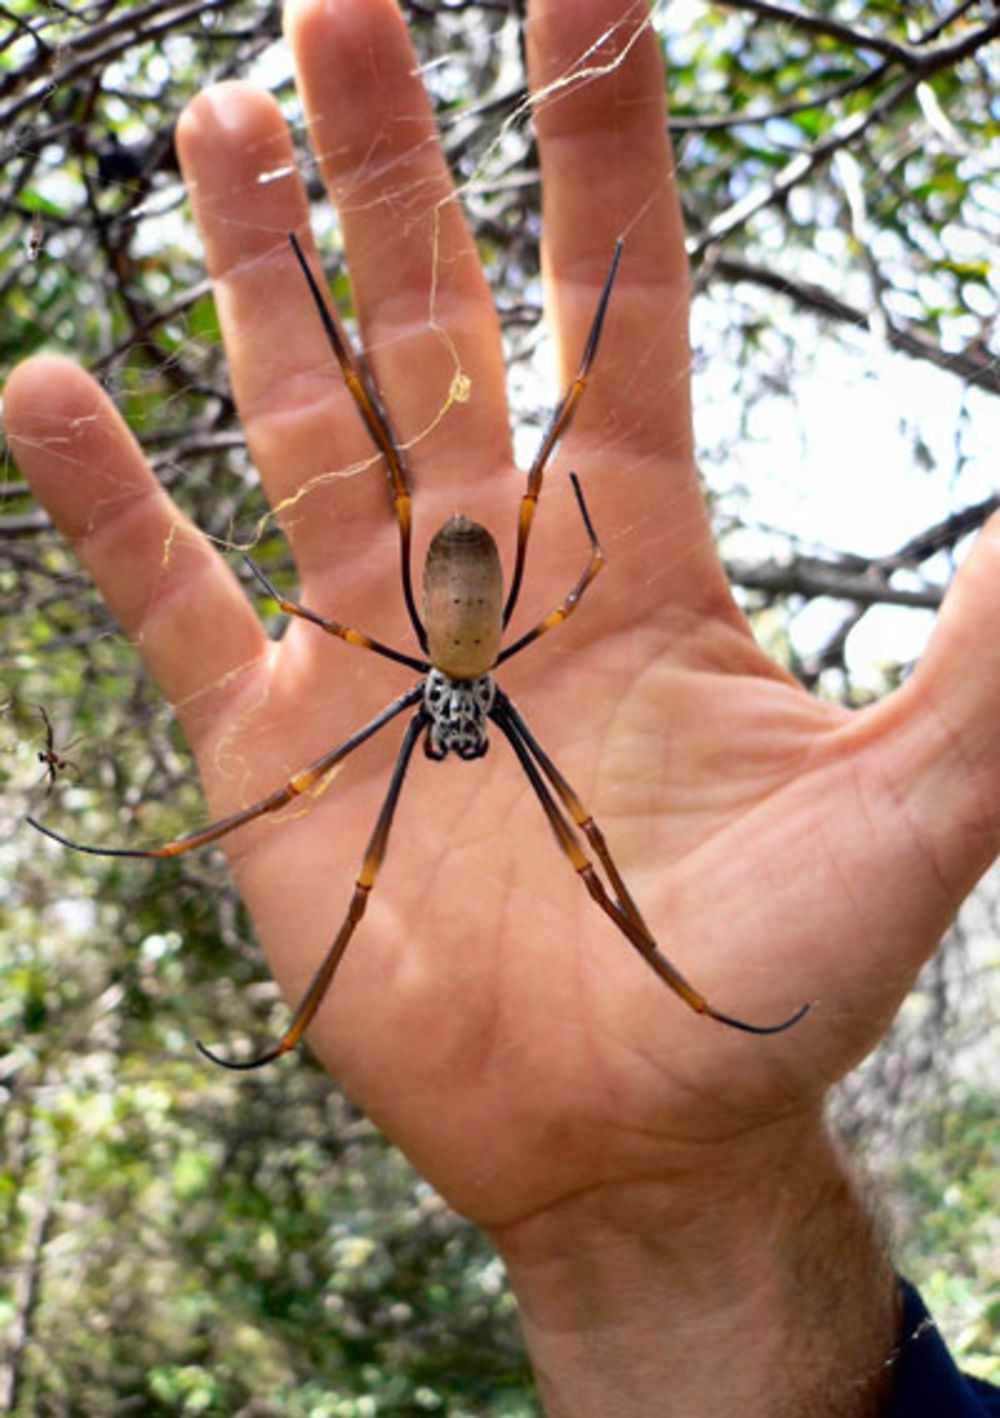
[(977, 369), (826, 26), (811, 576)]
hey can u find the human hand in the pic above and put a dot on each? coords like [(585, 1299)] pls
[(487, 1014)]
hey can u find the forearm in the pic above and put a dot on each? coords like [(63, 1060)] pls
[(765, 1292)]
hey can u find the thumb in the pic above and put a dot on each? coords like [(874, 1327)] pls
[(944, 750)]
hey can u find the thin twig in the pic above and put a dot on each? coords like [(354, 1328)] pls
[(828, 27)]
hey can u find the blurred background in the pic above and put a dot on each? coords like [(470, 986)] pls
[(175, 1240)]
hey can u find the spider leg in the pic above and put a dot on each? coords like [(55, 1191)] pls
[(333, 627), (367, 404), (49, 732), (560, 421), (569, 605), (295, 786), (625, 915), (374, 854), (568, 797)]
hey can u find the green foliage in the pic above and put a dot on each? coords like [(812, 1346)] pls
[(949, 1227)]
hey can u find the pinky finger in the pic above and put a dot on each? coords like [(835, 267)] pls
[(162, 580)]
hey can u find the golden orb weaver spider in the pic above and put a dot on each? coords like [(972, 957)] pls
[(460, 635)]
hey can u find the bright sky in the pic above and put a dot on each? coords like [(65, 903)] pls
[(874, 448)]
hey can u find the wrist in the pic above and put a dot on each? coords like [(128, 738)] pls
[(757, 1285)]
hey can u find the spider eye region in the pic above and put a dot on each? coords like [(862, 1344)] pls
[(457, 711), (463, 599)]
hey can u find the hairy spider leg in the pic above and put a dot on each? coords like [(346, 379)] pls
[(333, 627), (629, 924), (295, 786), (367, 404), (374, 854), (569, 605), (559, 422)]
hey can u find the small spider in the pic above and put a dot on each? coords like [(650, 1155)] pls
[(35, 239), (456, 696), (53, 760)]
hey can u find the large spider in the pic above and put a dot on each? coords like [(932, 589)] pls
[(460, 634)]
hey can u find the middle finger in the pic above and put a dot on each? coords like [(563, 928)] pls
[(429, 324)]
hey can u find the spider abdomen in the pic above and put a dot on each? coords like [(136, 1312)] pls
[(463, 600), (457, 710)]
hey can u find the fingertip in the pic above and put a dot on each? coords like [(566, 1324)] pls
[(359, 76), (963, 637), (41, 381), (309, 21), (229, 111), (57, 419)]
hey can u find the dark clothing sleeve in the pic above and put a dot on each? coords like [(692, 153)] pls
[(928, 1384)]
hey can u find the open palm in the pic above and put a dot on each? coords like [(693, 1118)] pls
[(487, 1014)]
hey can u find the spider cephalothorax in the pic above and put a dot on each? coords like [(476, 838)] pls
[(459, 637), (457, 710)]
